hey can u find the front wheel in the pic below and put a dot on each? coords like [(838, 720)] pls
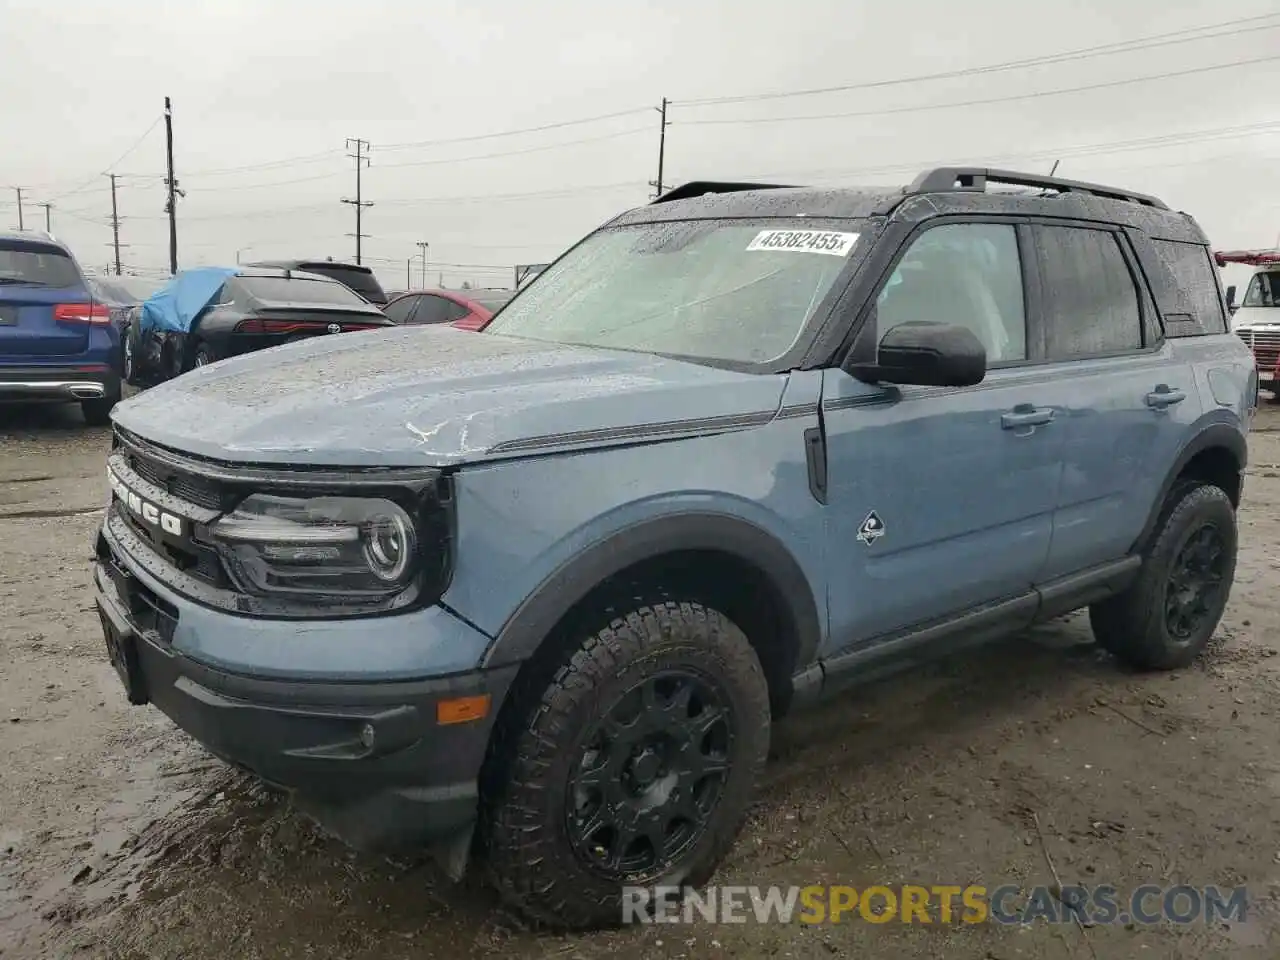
[(635, 767), (1166, 617)]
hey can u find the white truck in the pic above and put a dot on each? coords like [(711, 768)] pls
[(1255, 317)]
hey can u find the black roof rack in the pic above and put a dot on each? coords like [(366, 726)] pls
[(947, 179), (698, 188)]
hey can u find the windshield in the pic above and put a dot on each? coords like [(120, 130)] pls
[(731, 290), (300, 290), (1264, 291), (24, 263)]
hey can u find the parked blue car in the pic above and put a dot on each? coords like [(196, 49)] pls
[(551, 581), (57, 340)]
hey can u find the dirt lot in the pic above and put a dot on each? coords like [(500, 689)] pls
[(120, 838)]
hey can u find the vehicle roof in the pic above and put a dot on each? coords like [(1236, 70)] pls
[(318, 261), (455, 294), (280, 272), (945, 190), (32, 236)]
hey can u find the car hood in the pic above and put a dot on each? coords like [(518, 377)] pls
[(436, 396)]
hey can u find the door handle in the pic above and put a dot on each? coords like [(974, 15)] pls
[(1163, 396), (1025, 415)]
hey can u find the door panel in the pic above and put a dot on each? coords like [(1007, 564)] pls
[(1117, 449), (965, 501)]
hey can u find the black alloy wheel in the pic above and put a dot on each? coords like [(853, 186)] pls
[(1195, 582), (643, 790)]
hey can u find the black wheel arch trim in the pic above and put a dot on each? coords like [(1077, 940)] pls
[(526, 629), (1216, 434)]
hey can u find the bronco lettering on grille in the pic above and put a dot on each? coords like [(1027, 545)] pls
[(149, 513)]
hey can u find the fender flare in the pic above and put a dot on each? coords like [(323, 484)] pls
[(1217, 434), (535, 618)]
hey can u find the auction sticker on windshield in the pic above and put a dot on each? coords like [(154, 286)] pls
[(805, 241)]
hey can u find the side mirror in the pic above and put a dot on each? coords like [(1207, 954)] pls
[(1231, 298), (926, 354)]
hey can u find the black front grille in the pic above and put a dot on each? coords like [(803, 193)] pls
[(193, 489), (191, 556)]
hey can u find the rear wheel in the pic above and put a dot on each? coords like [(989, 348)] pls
[(129, 355), (202, 355), (97, 413), (1166, 617)]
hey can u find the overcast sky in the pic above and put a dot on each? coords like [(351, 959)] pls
[(265, 92)]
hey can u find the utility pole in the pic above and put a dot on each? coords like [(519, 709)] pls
[(171, 206), (115, 223), (423, 245), (408, 273), (361, 157), (658, 186), (21, 227), (48, 221)]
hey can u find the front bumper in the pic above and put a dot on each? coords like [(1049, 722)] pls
[(76, 382), (368, 759)]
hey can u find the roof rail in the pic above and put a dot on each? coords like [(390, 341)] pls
[(698, 188), (947, 179)]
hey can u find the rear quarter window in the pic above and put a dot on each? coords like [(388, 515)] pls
[(1199, 291), (37, 264)]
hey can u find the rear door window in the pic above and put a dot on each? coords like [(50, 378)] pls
[(399, 311), (1199, 293), (36, 265), (434, 309), (1091, 304)]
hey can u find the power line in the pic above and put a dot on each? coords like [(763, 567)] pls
[(1069, 151), (511, 133), (919, 108), (268, 164), (134, 146), (516, 153), (1122, 46)]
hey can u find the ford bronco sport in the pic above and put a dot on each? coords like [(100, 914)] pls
[(536, 593)]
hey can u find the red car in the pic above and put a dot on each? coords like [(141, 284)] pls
[(465, 309)]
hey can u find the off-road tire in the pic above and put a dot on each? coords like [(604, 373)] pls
[(524, 838), (1132, 625)]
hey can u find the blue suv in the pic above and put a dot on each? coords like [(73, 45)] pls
[(57, 342), (536, 593)]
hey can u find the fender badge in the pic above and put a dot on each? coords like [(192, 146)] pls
[(872, 529)]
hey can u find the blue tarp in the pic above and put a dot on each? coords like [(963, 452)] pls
[(174, 307)]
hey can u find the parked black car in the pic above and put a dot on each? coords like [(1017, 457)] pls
[(356, 276), (256, 308)]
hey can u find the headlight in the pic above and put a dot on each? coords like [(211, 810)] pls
[(345, 548)]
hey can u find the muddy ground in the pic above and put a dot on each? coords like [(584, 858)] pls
[(120, 838)]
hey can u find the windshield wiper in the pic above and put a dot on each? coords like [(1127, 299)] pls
[(19, 280)]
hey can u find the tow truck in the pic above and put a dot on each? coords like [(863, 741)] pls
[(1256, 317)]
